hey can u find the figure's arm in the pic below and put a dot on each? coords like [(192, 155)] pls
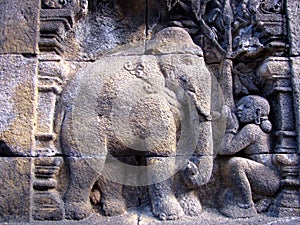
[(234, 141)]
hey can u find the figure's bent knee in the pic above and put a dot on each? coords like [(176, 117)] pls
[(236, 163)]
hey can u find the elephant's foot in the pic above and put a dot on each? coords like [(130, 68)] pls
[(77, 210), (190, 203), (114, 206), (167, 208)]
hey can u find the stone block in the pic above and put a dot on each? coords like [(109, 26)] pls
[(19, 30), (17, 97), (296, 89), (294, 28), (15, 189)]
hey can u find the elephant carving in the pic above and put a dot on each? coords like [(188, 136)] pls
[(156, 105)]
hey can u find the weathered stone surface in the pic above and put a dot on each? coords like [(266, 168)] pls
[(15, 191), (134, 131), (212, 217), (156, 17), (172, 41), (45, 113), (144, 217), (296, 91), (19, 30), (293, 7), (47, 202), (18, 93), (108, 25)]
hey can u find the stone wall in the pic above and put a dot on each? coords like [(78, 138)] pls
[(251, 48), (19, 48)]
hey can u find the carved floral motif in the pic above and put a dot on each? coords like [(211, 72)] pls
[(271, 6)]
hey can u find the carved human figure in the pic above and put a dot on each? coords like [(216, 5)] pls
[(253, 174)]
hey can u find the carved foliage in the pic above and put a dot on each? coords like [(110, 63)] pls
[(271, 6), (247, 28)]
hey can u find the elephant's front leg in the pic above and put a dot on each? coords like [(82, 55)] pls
[(163, 200), (198, 170)]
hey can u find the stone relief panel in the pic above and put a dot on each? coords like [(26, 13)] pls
[(174, 106)]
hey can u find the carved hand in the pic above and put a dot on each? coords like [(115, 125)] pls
[(191, 175)]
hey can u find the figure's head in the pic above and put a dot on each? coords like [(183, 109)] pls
[(254, 109)]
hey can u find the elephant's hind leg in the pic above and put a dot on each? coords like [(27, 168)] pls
[(85, 158), (83, 174)]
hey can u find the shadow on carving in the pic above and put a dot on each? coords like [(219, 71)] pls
[(5, 151)]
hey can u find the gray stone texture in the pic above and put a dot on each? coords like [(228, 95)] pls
[(296, 86), (15, 191), (293, 17), (295, 62), (144, 217), (108, 118), (19, 28), (18, 93), (293, 24), (108, 25), (255, 172)]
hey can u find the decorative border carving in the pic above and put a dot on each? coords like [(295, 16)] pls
[(57, 17)]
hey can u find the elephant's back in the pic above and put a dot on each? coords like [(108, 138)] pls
[(134, 108), (122, 98)]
